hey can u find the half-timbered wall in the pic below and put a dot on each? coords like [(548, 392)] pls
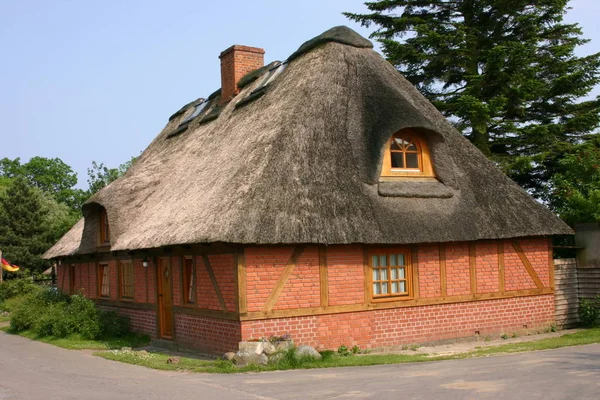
[(323, 296)]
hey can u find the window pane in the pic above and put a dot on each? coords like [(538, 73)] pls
[(411, 147), (377, 288), (384, 274), (402, 287), (397, 160), (392, 260), (376, 275), (383, 261), (394, 287), (375, 261), (412, 160), (384, 288), (400, 260), (402, 273)]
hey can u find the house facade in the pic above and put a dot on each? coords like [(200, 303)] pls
[(323, 197)]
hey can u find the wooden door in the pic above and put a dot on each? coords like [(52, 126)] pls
[(165, 298)]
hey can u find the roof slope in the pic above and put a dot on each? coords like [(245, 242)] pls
[(301, 164)]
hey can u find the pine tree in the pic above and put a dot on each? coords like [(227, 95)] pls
[(503, 71), (23, 226)]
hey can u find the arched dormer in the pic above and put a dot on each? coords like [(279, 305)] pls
[(406, 154)]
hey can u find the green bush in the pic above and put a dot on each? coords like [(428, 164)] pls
[(113, 324), (15, 288), (50, 313), (589, 310), (27, 311)]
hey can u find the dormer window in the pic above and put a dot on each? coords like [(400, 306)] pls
[(407, 155), (104, 234)]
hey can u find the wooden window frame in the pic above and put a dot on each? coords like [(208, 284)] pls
[(100, 272), (408, 274), (425, 169), (104, 231), (126, 282), (188, 287)]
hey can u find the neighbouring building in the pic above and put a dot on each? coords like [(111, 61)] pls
[(324, 197)]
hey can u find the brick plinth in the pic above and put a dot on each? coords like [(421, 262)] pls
[(210, 335), (394, 327)]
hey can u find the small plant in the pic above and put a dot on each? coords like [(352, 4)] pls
[(414, 347), (504, 336), (514, 335), (589, 310), (487, 338), (343, 351), (553, 328), (404, 347), (355, 349), (276, 339)]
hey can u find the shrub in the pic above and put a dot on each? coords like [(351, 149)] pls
[(27, 311), (50, 313), (589, 310), (113, 324), (15, 288)]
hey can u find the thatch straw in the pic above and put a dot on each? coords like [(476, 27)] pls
[(301, 164)]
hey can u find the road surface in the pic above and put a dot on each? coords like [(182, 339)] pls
[(31, 370)]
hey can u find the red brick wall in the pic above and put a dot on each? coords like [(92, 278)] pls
[(429, 271), (486, 254), (393, 327), (344, 264), (457, 269), (264, 266), (516, 276), (211, 335)]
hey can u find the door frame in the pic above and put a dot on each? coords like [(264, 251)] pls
[(160, 315)]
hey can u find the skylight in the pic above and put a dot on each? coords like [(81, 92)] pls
[(271, 75), (199, 108)]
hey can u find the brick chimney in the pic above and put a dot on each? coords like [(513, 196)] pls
[(236, 62)]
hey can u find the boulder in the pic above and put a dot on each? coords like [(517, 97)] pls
[(229, 356), (248, 356), (307, 351), (173, 360), (283, 345), (269, 349), (125, 348)]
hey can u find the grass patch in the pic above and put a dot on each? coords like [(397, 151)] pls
[(76, 342), (587, 336), (332, 359), (4, 318)]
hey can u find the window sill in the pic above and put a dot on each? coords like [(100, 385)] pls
[(126, 299), (417, 187), (391, 298)]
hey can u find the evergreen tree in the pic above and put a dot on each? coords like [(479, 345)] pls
[(24, 233), (577, 186), (503, 71)]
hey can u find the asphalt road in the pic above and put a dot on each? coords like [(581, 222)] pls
[(30, 370)]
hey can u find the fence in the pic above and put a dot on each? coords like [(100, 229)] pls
[(572, 283)]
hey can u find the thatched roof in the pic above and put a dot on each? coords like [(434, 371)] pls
[(301, 164)]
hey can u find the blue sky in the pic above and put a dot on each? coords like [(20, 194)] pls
[(97, 80)]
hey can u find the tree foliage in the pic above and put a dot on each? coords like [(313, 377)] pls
[(577, 186), (23, 220), (503, 71), (100, 175), (51, 175)]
